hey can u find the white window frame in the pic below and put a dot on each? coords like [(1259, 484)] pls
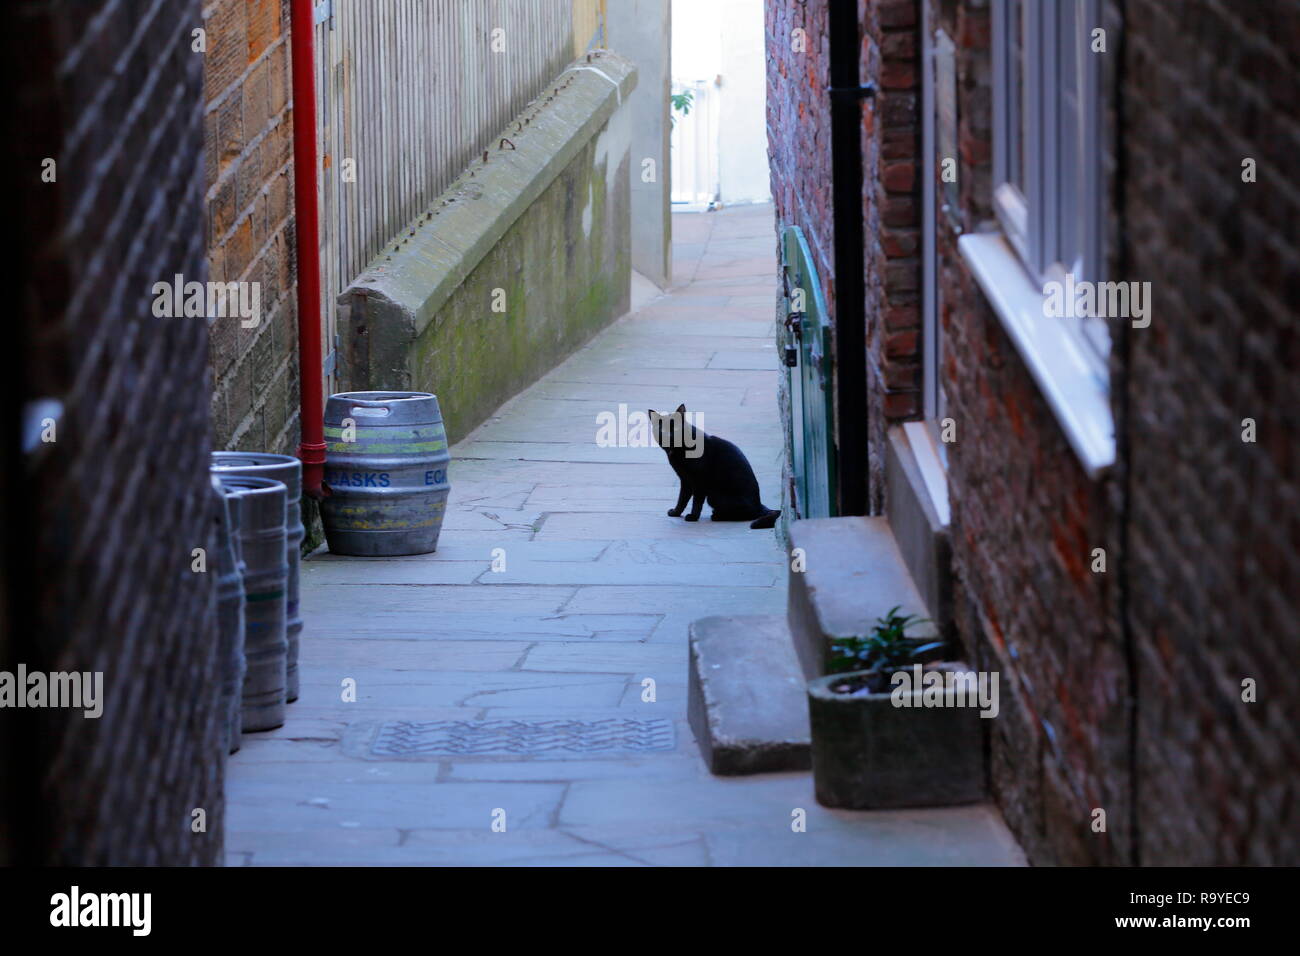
[(1045, 221), (1035, 221)]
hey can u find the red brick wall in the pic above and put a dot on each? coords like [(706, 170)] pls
[(891, 134), (799, 127), (248, 143), (1120, 690), (1025, 519), (1214, 523), (799, 151), (1199, 592)]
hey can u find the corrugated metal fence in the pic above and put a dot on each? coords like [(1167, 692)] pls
[(408, 91)]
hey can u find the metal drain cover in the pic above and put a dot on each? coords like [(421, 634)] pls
[(521, 738)]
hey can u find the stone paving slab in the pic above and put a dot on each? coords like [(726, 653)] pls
[(659, 766), (617, 658), (587, 451), (610, 474), (697, 550), (629, 499), (587, 417), (457, 549), (599, 592), (330, 606), (640, 526), (647, 393), (310, 807), (477, 626), (686, 380), (392, 688), (760, 340), (343, 573), (443, 654), (647, 575), (974, 838), (745, 359), (699, 602)]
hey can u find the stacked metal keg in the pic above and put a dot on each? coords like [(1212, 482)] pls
[(230, 610), (388, 491), (288, 471), (262, 537)]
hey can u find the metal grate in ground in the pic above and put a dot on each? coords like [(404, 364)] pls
[(521, 738)]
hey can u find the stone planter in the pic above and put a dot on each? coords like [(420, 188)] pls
[(869, 753)]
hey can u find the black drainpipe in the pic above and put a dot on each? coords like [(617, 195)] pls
[(847, 92)]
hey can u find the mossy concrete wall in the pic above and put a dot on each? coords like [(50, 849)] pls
[(520, 262)]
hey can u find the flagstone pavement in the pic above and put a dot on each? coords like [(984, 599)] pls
[(597, 592)]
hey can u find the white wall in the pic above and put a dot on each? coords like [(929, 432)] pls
[(639, 30), (724, 38)]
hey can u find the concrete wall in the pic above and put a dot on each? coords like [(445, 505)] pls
[(117, 502), (799, 128), (726, 38), (248, 146), (522, 260), (742, 134), (641, 30)]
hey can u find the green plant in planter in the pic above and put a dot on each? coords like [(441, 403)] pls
[(886, 649)]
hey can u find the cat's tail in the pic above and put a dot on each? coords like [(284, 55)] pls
[(767, 520)]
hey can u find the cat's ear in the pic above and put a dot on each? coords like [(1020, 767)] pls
[(653, 414), (681, 409)]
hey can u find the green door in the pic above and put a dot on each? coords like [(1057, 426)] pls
[(808, 370)]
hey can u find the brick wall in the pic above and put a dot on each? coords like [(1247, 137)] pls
[(1190, 520), (1214, 526), (248, 146), (891, 134), (799, 127), (113, 92), (1025, 519), (1120, 690), (799, 152)]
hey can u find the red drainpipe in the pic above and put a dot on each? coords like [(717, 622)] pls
[(312, 406)]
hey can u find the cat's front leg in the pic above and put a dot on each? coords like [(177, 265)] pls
[(683, 496), (696, 507)]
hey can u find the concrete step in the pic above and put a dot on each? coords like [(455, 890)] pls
[(748, 702), (853, 574)]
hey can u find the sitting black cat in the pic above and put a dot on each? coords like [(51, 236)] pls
[(711, 469)]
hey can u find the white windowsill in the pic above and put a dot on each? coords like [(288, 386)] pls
[(1078, 397), (931, 467)]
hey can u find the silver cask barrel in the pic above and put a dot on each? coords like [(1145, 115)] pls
[(386, 472)]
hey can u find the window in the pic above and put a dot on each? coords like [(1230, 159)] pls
[(1048, 198), (1047, 146)]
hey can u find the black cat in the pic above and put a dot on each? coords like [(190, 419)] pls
[(712, 469)]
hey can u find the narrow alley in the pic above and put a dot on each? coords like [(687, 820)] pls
[(346, 333), (598, 591)]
